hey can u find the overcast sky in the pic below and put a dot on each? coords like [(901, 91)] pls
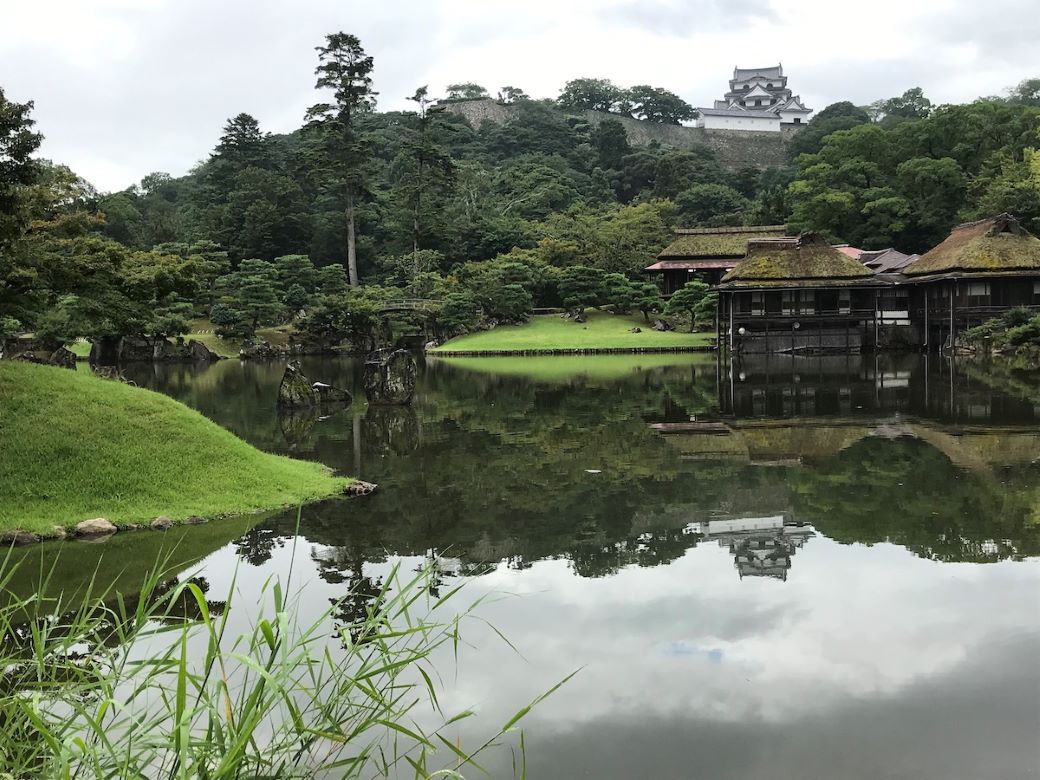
[(126, 87)]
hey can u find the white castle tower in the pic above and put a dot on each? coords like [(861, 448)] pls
[(758, 99)]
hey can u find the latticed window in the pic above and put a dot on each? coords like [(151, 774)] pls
[(978, 293), (757, 304)]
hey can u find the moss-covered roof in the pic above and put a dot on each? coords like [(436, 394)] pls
[(692, 243), (795, 261), (994, 244)]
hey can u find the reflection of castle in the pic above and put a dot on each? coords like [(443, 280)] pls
[(761, 546)]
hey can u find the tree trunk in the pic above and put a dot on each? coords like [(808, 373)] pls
[(351, 242), (415, 231)]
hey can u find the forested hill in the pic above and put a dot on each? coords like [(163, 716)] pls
[(535, 210), (551, 182)]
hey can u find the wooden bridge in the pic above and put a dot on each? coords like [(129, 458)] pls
[(418, 305)]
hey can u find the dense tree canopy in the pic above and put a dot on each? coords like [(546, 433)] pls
[(545, 208)]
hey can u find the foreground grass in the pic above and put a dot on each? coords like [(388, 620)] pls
[(550, 331), (157, 684), (75, 447), (563, 368), (204, 331)]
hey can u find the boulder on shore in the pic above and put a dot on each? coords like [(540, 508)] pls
[(25, 349), (297, 391), (661, 325), (99, 526), (161, 523), (359, 488), (18, 537), (390, 380)]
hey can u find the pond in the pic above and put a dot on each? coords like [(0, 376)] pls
[(791, 567)]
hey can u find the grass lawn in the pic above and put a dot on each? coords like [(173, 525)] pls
[(551, 331), (80, 348), (206, 332), (75, 446), (553, 369)]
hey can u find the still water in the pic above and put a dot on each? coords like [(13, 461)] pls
[(797, 568)]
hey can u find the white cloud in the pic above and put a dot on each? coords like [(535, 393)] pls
[(124, 87)]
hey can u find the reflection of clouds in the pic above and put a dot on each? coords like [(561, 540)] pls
[(674, 657), (851, 622)]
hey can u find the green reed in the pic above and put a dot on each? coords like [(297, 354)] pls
[(156, 685)]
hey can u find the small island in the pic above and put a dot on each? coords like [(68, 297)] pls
[(77, 447)]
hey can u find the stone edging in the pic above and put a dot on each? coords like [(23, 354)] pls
[(99, 529), (597, 351)]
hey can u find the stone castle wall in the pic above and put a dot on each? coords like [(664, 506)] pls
[(734, 148)]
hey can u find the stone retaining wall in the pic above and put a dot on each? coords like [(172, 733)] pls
[(734, 148)]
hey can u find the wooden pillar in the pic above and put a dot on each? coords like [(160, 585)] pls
[(927, 337), (732, 295), (718, 325), (877, 304), (953, 326)]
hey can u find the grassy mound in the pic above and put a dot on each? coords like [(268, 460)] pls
[(74, 447), (550, 331)]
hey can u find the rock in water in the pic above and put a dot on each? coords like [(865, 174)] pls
[(200, 352), (297, 391), (391, 379)]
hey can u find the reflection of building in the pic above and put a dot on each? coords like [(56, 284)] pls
[(761, 546)]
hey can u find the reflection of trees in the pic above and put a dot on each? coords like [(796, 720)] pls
[(494, 468), (905, 491), (258, 543)]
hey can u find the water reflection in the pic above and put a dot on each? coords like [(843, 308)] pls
[(781, 567)]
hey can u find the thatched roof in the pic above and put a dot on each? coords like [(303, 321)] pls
[(990, 245), (806, 260), (692, 243)]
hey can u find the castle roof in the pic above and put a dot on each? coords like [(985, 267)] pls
[(722, 242), (794, 104), (739, 111), (771, 72), (795, 262), (991, 245)]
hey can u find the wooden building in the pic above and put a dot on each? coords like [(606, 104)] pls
[(704, 254), (800, 295), (978, 272)]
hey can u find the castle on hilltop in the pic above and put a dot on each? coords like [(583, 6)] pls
[(758, 99)]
